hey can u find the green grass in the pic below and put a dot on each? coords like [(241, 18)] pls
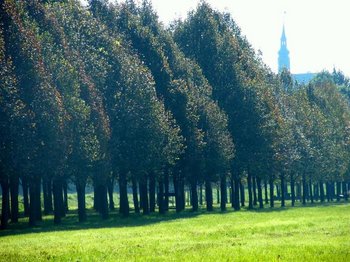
[(312, 233)]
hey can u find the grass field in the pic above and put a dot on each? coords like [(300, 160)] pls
[(311, 233)]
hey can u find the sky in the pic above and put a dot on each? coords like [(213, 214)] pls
[(317, 30)]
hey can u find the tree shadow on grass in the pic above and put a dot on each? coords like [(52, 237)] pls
[(94, 221)]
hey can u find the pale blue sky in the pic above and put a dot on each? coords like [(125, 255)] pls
[(317, 30)]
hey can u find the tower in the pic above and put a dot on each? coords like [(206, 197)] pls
[(283, 53)]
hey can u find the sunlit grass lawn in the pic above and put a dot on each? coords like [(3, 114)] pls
[(312, 233)]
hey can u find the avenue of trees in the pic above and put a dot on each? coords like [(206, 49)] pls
[(105, 94)]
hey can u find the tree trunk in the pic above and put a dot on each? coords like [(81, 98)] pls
[(201, 194), (292, 189), (179, 193), (96, 197), (161, 196), (304, 189), (194, 195), (236, 197), (110, 188), (152, 193), (223, 190), (25, 190), (232, 192), (328, 191), (271, 193), (316, 192), (144, 193), (345, 192), (35, 204), (250, 193), (283, 193), (278, 192), (242, 191), (57, 200), (260, 196), (135, 195), (209, 195), (14, 184), (217, 194), (47, 193), (266, 194), (166, 191), (103, 204), (310, 192), (5, 212), (123, 191), (322, 198), (299, 191), (255, 198), (338, 191), (80, 187), (65, 197)]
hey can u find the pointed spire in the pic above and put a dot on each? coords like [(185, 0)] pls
[(283, 37)]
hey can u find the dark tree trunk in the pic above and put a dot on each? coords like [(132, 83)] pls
[(194, 195), (266, 194), (96, 197), (57, 200), (25, 190), (161, 196), (47, 193), (80, 187), (316, 192), (135, 195), (292, 189), (250, 193), (5, 212), (65, 197), (209, 195), (304, 189), (236, 197), (310, 192), (179, 193), (14, 184), (322, 198), (110, 188), (255, 198), (338, 191), (166, 191), (242, 194), (299, 191), (144, 193), (152, 193), (345, 191), (201, 194), (217, 194), (123, 191), (232, 191), (283, 193), (271, 193), (103, 205), (328, 191), (278, 192), (35, 204), (260, 195), (223, 190)]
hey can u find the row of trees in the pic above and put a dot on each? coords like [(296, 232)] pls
[(105, 93)]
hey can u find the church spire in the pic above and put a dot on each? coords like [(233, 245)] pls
[(283, 53)]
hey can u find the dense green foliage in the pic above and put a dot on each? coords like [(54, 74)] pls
[(104, 93)]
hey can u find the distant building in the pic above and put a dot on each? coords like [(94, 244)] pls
[(283, 54), (284, 62)]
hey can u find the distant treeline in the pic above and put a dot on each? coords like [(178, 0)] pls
[(106, 93)]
